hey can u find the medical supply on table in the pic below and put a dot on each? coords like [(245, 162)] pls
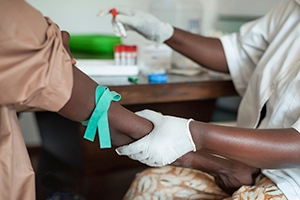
[(119, 28), (124, 63), (184, 14), (133, 80), (125, 54), (154, 58), (157, 78), (97, 67)]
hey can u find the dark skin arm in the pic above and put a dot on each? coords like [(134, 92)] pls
[(230, 175), (260, 148), (208, 52), (271, 148), (243, 148), (122, 122)]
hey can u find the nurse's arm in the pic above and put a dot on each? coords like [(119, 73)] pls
[(208, 52), (260, 148), (230, 175)]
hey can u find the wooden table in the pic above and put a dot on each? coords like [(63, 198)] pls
[(183, 96), (189, 97), (177, 89)]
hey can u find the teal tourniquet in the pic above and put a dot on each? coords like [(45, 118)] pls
[(99, 117)]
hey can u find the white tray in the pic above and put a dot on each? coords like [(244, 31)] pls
[(93, 67)]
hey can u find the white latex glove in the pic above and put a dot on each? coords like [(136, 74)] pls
[(144, 23), (169, 140)]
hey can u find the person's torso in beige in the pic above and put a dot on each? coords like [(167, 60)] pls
[(35, 71)]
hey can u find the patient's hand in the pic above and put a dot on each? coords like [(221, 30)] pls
[(229, 175)]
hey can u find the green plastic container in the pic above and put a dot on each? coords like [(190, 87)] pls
[(93, 46)]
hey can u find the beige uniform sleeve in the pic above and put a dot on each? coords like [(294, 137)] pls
[(35, 71), (35, 68)]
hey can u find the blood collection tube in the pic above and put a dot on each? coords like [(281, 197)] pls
[(123, 55), (119, 28), (128, 55), (134, 55), (117, 54)]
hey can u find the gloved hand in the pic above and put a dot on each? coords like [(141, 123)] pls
[(144, 23), (169, 140)]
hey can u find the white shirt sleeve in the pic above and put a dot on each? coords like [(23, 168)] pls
[(244, 50), (296, 126), (285, 181)]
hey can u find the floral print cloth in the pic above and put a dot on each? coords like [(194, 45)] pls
[(176, 183)]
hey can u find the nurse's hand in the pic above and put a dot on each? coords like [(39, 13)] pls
[(169, 140), (144, 23)]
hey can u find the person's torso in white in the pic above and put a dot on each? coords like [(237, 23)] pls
[(264, 62)]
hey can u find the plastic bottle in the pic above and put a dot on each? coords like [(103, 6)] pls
[(183, 14), (119, 28)]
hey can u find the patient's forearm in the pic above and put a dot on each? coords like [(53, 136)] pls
[(125, 126)]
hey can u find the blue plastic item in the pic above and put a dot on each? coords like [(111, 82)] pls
[(157, 78)]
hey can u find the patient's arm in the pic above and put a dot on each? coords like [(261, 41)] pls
[(125, 126)]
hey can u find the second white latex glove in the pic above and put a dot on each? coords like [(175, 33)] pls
[(144, 23), (169, 140)]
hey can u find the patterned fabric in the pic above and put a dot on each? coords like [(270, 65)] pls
[(263, 189), (175, 183)]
